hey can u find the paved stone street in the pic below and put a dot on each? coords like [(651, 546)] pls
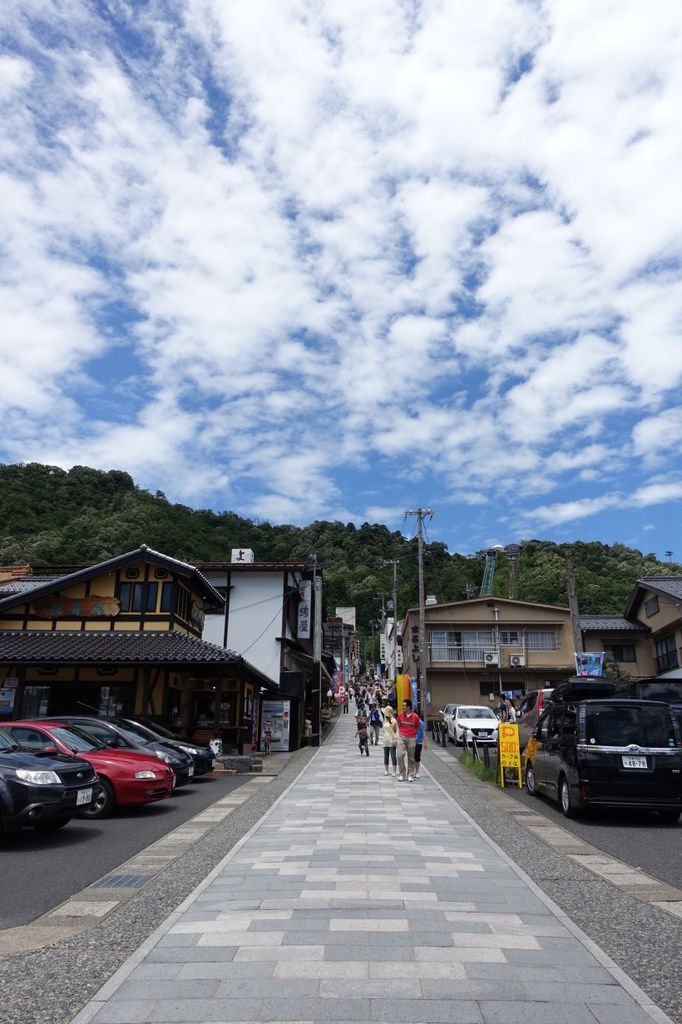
[(359, 898)]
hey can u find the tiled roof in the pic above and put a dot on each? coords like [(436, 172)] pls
[(90, 647), (612, 623), (24, 586), (665, 584)]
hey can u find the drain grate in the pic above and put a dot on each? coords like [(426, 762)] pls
[(122, 881)]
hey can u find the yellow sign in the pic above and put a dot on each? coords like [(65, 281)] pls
[(508, 750)]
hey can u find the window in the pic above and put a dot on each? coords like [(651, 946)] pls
[(666, 653), (456, 645), (651, 606), (510, 638), (528, 703), (620, 726), (183, 605), (619, 652), (212, 607), (137, 597), (542, 640), (166, 597)]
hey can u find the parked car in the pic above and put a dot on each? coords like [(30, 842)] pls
[(529, 711), (124, 777), (476, 720), (148, 730), (446, 714), (119, 737), (42, 791), (613, 752)]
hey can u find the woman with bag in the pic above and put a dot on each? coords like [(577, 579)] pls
[(390, 740)]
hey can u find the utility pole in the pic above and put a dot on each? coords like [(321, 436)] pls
[(317, 654), (395, 563), (421, 513), (573, 606)]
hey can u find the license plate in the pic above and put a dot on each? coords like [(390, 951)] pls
[(84, 796), (191, 770), (634, 762)]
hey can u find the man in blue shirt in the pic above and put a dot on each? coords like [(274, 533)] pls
[(419, 746)]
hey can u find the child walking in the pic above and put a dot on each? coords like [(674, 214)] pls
[(363, 737)]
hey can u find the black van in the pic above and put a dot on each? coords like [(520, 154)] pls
[(613, 752)]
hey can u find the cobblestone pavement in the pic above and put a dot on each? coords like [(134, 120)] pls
[(360, 898)]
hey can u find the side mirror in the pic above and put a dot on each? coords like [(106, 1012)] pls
[(50, 748)]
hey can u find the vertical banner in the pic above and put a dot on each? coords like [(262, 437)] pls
[(303, 629), (589, 663)]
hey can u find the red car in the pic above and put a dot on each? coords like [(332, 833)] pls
[(125, 777)]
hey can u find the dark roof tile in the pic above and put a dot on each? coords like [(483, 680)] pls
[(120, 647), (612, 623)]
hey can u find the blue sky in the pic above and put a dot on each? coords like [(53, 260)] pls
[(331, 260)]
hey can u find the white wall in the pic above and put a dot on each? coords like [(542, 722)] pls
[(255, 618)]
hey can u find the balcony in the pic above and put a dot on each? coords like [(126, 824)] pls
[(446, 654)]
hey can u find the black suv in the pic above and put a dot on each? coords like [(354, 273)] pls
[(610, 752), (42, 791)]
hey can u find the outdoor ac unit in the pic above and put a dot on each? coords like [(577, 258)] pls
[(517, 661), (491, 658)]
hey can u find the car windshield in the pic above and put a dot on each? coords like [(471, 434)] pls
[(139, 732), (133, 737), (6, 742), (619, 726), (475, 713), (75, 739), (160, 730), (106, 735)]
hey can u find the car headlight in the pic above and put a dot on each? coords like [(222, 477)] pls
[(162, 756), (146, 774), (39, 778), (189, 750)]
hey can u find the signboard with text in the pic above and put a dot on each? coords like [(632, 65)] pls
[(509, 752)]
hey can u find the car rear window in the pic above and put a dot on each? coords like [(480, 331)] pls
[(619, 726)]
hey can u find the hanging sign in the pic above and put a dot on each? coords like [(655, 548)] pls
[(303, 627)]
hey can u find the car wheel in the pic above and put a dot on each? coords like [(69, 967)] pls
[(669, 817), (52, 824), (568, 808), (103, 801), (530, 780)]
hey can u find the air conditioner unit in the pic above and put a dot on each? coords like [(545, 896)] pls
[(491, 658), (517, 661)]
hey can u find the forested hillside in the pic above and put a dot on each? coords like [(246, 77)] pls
[(49, 515)]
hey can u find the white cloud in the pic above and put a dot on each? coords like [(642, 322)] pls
[(346, 239)]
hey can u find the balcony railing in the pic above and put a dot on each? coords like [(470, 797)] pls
[(456, 654)]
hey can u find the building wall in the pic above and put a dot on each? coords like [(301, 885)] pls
[(644, 663), (459, 676), (255, 604)]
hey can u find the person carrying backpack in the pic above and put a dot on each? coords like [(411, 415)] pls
[(376, 720)]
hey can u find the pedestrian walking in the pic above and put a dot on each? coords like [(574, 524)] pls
[(376, 720), (408, 726), (390, 740), (511, 711), (419, 746), (362, 735), (345, 703)]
